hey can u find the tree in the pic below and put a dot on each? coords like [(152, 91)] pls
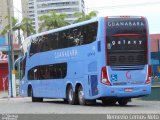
[(52, 20), (7, 27), (19, 26), (26, 26), (81, 16)]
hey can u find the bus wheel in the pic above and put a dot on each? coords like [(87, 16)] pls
[(109, 101), (71, 97), (123, 101), (35, 99), (81, 99)]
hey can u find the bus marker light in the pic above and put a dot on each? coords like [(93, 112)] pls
[(104, 76), (148, 81)]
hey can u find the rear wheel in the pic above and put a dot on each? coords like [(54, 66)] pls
[(109, 101), (123, 101), (71, 96), (81, 98)]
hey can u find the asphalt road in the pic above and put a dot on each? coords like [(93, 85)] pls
[(56, 106)]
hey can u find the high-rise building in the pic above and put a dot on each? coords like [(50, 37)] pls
[(35, 8)]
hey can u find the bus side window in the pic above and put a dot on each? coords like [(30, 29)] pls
[(40, 43), (89, 32), (59, 72), (31, 74), (54, 73), (34, 48), (23, 67), (35, 74), (70, 39), (45, 44), (84, 33), (47, 72), (53, 41)]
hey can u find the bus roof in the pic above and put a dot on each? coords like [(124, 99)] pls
[(77, 24)]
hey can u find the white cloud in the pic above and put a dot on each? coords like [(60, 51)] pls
[(147, 8)]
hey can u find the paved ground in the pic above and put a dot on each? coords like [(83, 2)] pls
[(3, 94), (25, 106)]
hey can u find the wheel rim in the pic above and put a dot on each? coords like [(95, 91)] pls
[(80, 95), (70, 95)]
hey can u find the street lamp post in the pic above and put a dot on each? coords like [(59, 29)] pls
[(10, 52)]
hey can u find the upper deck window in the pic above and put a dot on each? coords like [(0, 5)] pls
[(76, 36)]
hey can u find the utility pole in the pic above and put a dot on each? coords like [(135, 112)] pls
[(10, 52)]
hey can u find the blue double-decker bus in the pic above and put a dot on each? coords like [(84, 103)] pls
[(105, 58)]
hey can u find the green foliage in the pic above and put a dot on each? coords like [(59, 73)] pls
[(52, 20), (27, 22), (17, 75), (81, 16), (7, 27), (17, 26)]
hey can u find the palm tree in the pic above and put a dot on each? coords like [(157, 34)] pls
[(26, 26), (51, 21), (19, 26), (81, 16), (7, 27)]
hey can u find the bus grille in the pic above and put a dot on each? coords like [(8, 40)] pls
[(123, 68), (126, 59)]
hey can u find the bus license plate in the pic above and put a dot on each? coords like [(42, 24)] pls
[(128, 89)]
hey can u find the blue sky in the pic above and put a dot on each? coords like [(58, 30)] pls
[(147, 8)]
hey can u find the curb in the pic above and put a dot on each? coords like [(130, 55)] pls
[(11, 97)]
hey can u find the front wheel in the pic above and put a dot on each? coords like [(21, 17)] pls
[(35, 99)]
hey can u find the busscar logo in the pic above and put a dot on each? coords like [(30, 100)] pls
[(128, 75), (125, 23)]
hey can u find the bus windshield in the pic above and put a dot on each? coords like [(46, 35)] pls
[(126, 41)]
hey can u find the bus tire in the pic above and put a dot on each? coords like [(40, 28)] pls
[(123, 101), (71, 96), (35, 99), (109, 101), (81, 98)]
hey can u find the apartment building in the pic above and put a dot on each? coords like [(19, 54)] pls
[(35, 8)]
